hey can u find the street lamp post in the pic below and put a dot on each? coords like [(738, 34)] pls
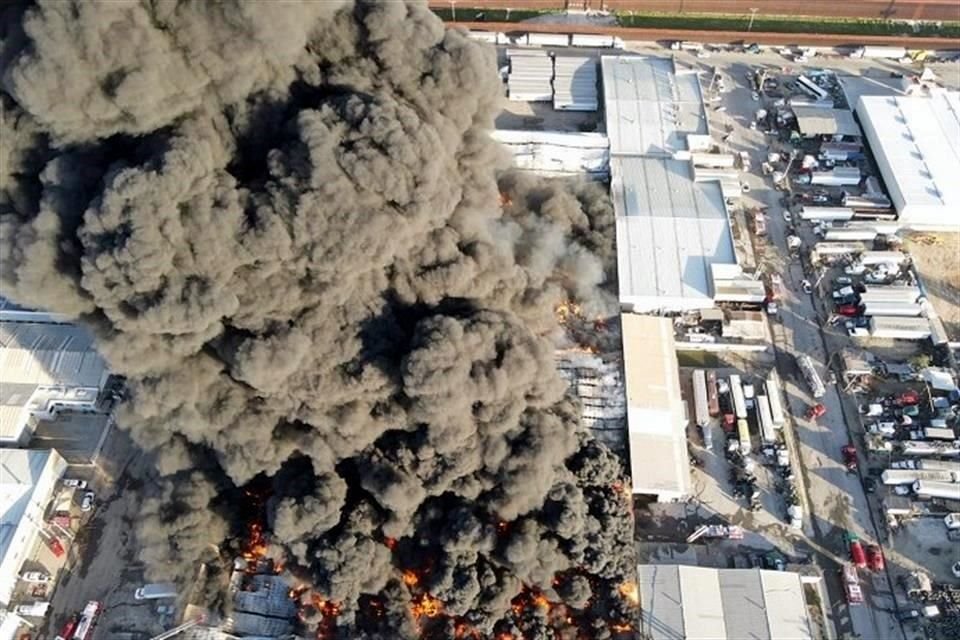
[(753, 14)]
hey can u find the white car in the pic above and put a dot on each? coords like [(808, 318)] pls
[(787, 216), (86, 504), (883, 428), (73, 482), (39, 577), (956, 569)]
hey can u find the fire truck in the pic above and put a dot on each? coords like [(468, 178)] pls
[(80, 627)]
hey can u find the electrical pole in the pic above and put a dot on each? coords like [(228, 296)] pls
[(753, 14)]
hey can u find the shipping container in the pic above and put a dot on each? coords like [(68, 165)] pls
[(773, 395), (736, 392), (599, 41), (767, 431), (891, 293), (897, 328), (903, 309), (866, 202), (933, 489), (701, 410), (743, 436), (813, 213), (837, 177), (909, 476)]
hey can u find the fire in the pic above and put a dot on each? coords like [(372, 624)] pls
[(621, 628), (505, 636), (327, 608), (426, 605), (541, 601), (256, 547), (391, 543), (505, 201), (502, 527), (410, 578), (600, 323), (567, 310), (630, 591)]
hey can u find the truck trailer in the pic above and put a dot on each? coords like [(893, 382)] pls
[(933, 489), (811, 376), (898, 328), (929, 448), (773, 395), (909, 476), (826, 214), (902, 309)]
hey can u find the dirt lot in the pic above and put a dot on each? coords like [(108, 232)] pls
[(937, 260)]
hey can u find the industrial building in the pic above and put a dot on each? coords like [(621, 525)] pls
[(656, 413), (28, 479), (672, 221), (557, 153), (699, 603), (916, 143), (45, 368)]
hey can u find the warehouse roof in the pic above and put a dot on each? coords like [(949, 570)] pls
[(656, 423), (35, 358), (699, 603), (650, 105), (814, 121), (916, 141), (670, 231)]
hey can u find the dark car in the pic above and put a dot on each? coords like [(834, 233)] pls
[(870, 485), (850, 457)]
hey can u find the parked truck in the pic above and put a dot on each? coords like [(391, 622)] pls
[(156, 591), (928, 464), (909, 476), (736, 393), (901, 309), (934, 489), (773, 396), (811, 376), (929, 448), (826, 214), (837, 177), (890, 293)]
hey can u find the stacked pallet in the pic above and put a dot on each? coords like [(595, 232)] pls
[(531, 71), (575, 83)]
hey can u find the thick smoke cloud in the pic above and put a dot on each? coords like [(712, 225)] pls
[(283, 222)]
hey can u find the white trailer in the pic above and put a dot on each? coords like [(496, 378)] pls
[(548, 39), (841, 214), (890, 293), (811, 376), (909, 476), (928, 464), (902, 309), (840, 234), (928, 448), (938, 433), (773, 395), (810, 87), (837, 177), (767, 431), (597, 41), (876, 51), (701, 408), (933, 489), (897, 328), (484, 36), (736, 392), (883, 257)]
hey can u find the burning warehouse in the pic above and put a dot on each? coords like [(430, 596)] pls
[(310, 282)]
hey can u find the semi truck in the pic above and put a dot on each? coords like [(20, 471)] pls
[(156, 591), (890, 293), (901, 309), (811, 376), (927, 464), (736, 392), (701, 407), (898, 328), (837, 177), (765, 419), (929, 448), (909, 476), (772, 386), (826, 214)]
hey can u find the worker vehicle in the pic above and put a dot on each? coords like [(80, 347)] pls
[(956, 569), (851, 585), (69, 628), (875, 558), (849, 457), (56, 547), (156, 591), (88, 619), (33, 610), (857, 554)]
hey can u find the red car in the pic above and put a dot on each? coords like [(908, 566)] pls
[(816, 411), (56, 547), (875, 558), (849, 457), (908, 397), (849, 310)]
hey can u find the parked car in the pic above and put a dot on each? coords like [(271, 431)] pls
[(787, 216), (875, 558), (86, 504), (40, 577), (857, 554), (849, 457), (883, 428), (816, 411), (842, 281), (74, 482), (806, 286), (870, 485), (848, 310), (956, 569)]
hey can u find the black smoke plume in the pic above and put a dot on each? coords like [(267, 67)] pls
[(284, 224)]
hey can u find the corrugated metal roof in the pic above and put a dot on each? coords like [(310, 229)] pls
[(917, 146), (670, 230), (650, 108), (699, 603), (813, 121), (656, 425), (575, 83)]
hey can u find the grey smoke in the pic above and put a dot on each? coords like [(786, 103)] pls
[(282, 222)]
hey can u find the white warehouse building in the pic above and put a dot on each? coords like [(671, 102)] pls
[(28, 479), (916, 142), (45, 368)]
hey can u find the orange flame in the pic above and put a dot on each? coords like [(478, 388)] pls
[(620, 628), (327, 608), (410, 578), (567, 310), (256, 547), (391, 543), (426, 605), (505, 200), (541, 601), (630, 591)]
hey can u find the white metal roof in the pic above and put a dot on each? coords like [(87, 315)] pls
[(556, 152), (670, 231), (35, 358), (656, 424), (916, 141), (650, 105), (814, 121), (699, 603)]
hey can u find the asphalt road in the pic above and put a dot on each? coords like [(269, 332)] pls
[(836, 497)]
